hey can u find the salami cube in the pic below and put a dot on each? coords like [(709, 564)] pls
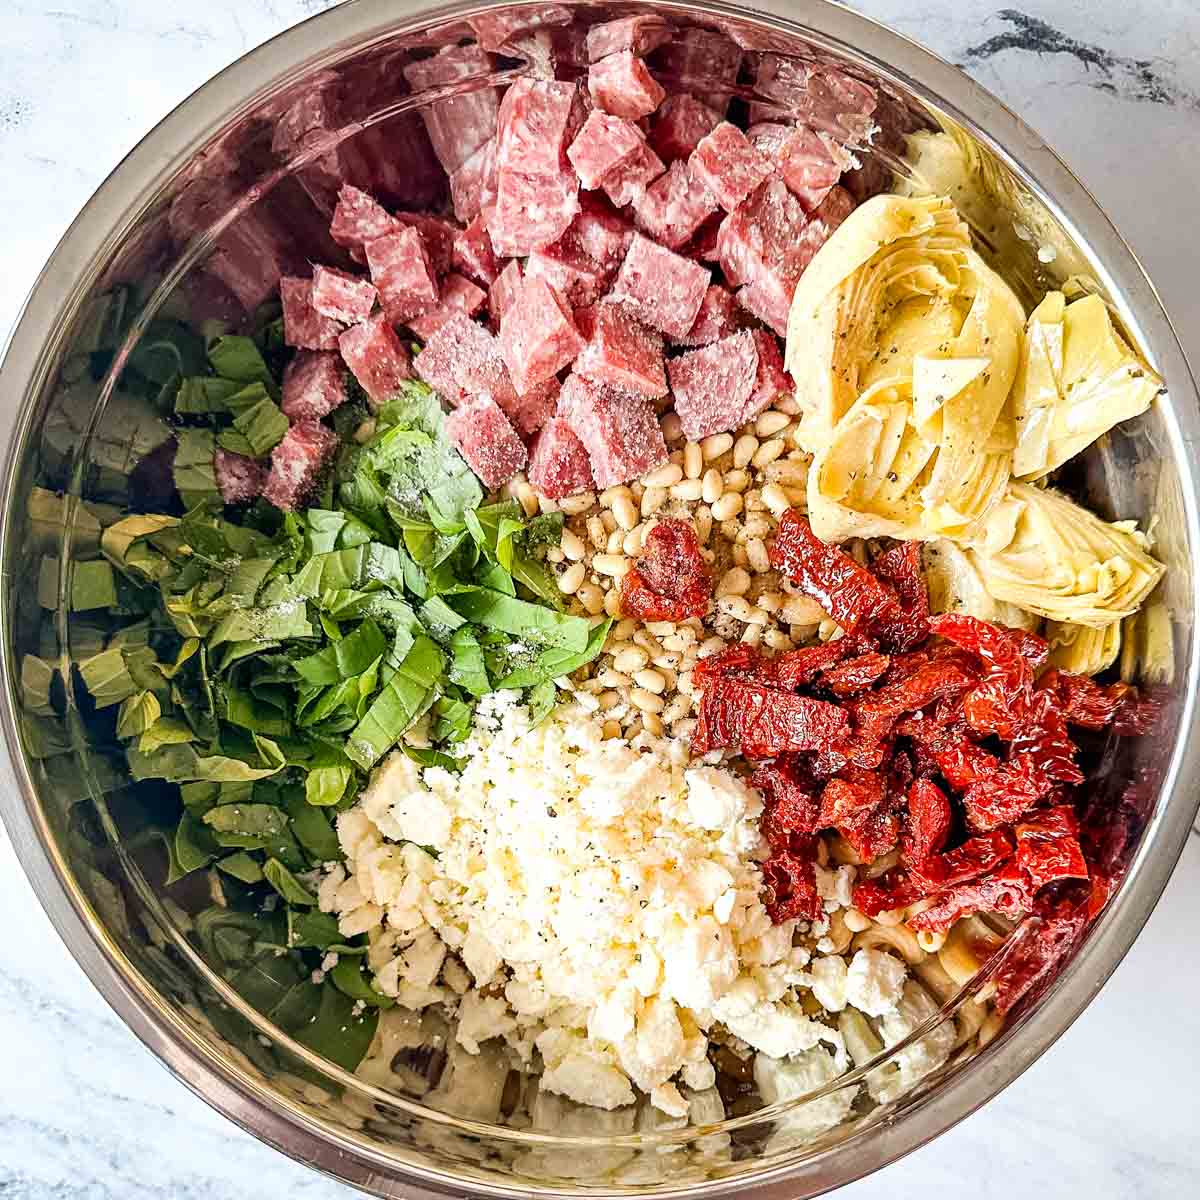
[(814, 94), (715, 320), (729, 166), (303, 326), (628, 182), (342, 296), (674, 207), (601, 234), (502, 293), (535, 120), (359, 219), (401, 270), (473, 253), (769, 294), (680, 125), (603, 145), (459, 294), (532, 210), (473, 185), (575, 277), (437, 234), (314, 384), (810, 166), (457, 125), (377, 358), (463, 359), (531, 411), (771, 381), (239, 478), (619, 430), (835, 208), (537, 334), (620, 351), (558, 462), (487, 440), (620, 84), (664, 289), (638, 35), (696, 59), (497, 30), (712, 385), (297, 464)]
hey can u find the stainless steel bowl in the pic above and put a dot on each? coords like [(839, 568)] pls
[(216, 184)]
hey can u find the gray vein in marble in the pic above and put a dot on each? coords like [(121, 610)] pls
[(1143, 79)]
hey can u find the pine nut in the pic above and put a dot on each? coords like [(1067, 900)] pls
[(615, 565), (571, 578), (555, 554), (597, 534), (651, 681), (546, 505), (685, 684), (713, 485), (771, 422), (609, 699), (801, 610), (663, 476), (756, 552), (616, 540), (736, 480), (768, 452), (743, 449), (777, 639), (727, 507), (610, 678), (591, 597), (683, 730), (671, 429), (770, 602), (572, 545), (630, 658), (610, 730), (574, 505), (677, 709), (855, 921), (739, 553), (788, 471), (730, 530), (735, 582), (741, 609), (608, 520), (623, 630), (775, 498), (527, 498), (693, 460), (612, 602), (788, 404), (647, 701), (365, 432), (625, 511), (689, 490), (653, 498), (704, 523), (610, 494), (752, 635), (716, 445), (634, 542), (652, 723)]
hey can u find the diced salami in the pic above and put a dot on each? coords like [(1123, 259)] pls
[(359, 219), (459, 294), (674, 207), (473, 253), (627, 183), (771, 381), (769, 295), (402, 169), (401, 270), (437, 234), (530, 412), (534, 122), (715, 320), (239, 478), (712, 385), (811, 165), (487, 440), (473, 185), (639, 35), (377, 359), (558, 462), (503, 291), (664, 289), (575, 277), (532, 211), (303, 326), (341, 296), (619, 430), (680, 124), (814, 94), (463, 359), (620, 350), (297, 464), (620, 84), (314, 384), (696, 59), (496, 30), (537, 334), (729, 166), (457, 125), (603, 144), (600, 233), (835, 208)]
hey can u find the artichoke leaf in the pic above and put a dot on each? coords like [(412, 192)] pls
[(956, 586), (1083, 650), (1047, 554)]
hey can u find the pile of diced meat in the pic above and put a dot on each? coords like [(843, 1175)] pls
[(613, 252)]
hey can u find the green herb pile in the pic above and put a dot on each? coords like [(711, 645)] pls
[(261, 663)]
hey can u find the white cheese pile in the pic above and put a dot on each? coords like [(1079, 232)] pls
[(603, 897)]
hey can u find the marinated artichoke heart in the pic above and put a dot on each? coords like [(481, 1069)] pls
[(956, 586), (1148, 651), (1048, 555), (1078, 379), (1083, 649), (904, 346)]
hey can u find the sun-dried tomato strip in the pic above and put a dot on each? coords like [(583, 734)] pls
[(854, 676), (790, 887), (886, 894), (975, 857), (670, 581), (875, 715), (791, 813), (763, 722), (1048, 847), (927, 821), (1038, 952), (1006, 891), (1093, 705)]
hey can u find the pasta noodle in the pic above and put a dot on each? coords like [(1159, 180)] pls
[(891, 937)]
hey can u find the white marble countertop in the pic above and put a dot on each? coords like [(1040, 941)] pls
[(86, 1112)]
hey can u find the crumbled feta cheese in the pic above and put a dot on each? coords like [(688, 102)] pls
[(874, 982), (789, 1079), (828, 976), (667, 1098)]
